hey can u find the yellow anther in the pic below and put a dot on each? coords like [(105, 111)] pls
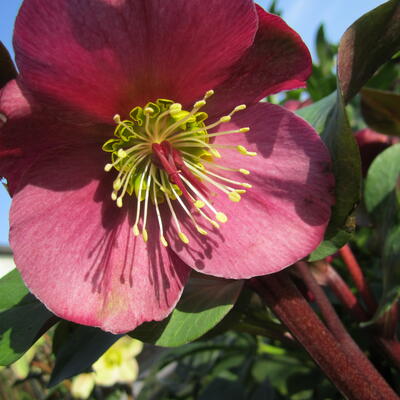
[(247, 185), (175, 108), (215, 224), (215, 153), (221, 217), (117, 118), (117, 184), (241, 191), (241, 149), (183, 237), (234, 196), (136, 230), (108, 167), (244, 130), (145, 235), (201, 230), (209, 94), (199, 204), (119, 202), (226, 118), (148, 110), (199, 104), (114, 196), (164, 241), (121, 153), (244, 171), (240, 108)]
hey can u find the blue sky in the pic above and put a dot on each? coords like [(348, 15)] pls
[(302, 15)]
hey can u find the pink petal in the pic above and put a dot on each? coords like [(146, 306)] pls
[(76, 251), (27, 130), (14, 107), (283, 217), (293, 105), (278, 60), (103, 57)]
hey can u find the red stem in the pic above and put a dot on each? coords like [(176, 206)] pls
[(358, 278), (389, 345), (335, 325), (392, 349), (389, 322), (285, 300), (340, 288)]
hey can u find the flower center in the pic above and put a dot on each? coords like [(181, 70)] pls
[(163, 154), (113, 358)]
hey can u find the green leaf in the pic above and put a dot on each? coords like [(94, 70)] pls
[(367, 44), (325, 51), (223, 389), (328, 117), (318, 113), (331, 246), (204, 302), (321, 83), (7, 68), (381, 110), (391, 275), (264, 392), (22, 318), (382, 202), (381, 188), (391, 266), (81, 347), (387, 77)]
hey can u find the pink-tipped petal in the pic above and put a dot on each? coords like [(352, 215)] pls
[(76, 250), (283, 217), (102, 57), (278, 60)]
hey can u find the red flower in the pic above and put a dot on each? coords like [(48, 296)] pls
[(75, 226)]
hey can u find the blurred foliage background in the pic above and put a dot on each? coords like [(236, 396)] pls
[(249, 354)]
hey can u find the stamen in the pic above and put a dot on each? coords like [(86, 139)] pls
[(241, 130), (213, 164), (164, 153), (181, 235), (188, 213), (117, 120), (160, 224), (243, 150), (221, 217), (175, 109), (157, 125), (146, 203), (139, 200), (219, 176), (226, 189), (147, 112)]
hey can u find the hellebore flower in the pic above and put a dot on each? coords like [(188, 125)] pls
[(116, 365), (132, 159)]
